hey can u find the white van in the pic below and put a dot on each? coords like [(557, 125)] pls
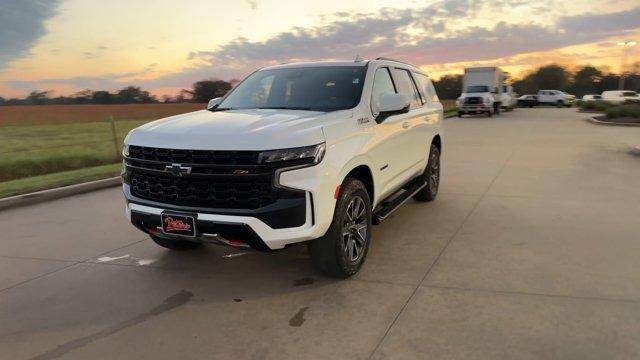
[(620, 96)]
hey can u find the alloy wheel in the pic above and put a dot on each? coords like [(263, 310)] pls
[(354, 229), (434, 173)]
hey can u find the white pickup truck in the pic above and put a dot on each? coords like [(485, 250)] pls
[(555, 97), (305, 152), (621, 96)]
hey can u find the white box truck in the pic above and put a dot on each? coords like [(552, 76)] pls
[(481, 91)]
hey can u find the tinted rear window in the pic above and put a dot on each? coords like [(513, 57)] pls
[(406, 87)]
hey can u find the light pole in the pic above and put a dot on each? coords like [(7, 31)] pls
[(627, 45)]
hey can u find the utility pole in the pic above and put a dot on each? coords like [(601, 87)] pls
[(627, 45)]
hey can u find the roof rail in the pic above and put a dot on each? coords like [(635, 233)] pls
[(394, 60)]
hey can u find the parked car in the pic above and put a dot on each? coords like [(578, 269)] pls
[(303, 152), (482, 91), (592, 97), (555, 97), (620, 96), (528, 100), (508, 99)]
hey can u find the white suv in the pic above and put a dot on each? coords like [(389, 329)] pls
[(555, 97), (314, 152)]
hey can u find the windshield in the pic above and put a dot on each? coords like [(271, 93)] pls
[(477, 89), (326, 88)]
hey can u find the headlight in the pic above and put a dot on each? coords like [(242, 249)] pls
[(459, 101), (125, 150), (487, 101), (308, 154)]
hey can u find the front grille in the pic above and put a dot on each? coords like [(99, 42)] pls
[(217, 179), (473, 100), (200, 157)]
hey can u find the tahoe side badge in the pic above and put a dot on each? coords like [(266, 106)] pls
[(362, 121)]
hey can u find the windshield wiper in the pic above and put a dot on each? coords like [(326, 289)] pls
[(221, 109)]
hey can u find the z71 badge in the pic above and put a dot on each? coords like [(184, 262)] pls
[(363, 121)]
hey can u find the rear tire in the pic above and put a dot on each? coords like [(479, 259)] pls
[(342, 250), (431, 175), (175, 244)]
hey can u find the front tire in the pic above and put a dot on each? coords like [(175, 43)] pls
[(175, 244), (342, 250), (431, 175)]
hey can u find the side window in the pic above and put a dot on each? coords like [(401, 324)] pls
[(406, 87), (426, 87), (382, 84)]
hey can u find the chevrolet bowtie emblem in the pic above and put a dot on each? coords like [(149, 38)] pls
[(177, 169)]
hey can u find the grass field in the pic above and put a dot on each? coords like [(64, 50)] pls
[(57, 114), (55, 145), (42, 147), (63, 178)]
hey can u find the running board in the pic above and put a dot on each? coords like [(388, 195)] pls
[(387, 207)]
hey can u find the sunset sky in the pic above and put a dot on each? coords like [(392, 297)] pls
[(166, 45)]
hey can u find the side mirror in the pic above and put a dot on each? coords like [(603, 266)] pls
[(213, 103), (392, 104)]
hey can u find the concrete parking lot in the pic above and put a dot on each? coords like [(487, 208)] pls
[(531, 251)]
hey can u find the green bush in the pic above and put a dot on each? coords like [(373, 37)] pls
[(622, 111), (597, 105)]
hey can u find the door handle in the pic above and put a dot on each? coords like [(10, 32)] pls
[(405, 125)]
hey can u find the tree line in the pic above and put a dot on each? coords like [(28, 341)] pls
[(584, 80), (200, 92)]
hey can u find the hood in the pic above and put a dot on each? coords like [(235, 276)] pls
[(254, 129)]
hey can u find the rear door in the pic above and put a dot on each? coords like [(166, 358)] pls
[(544, 97), (414, 125), (432, 109)]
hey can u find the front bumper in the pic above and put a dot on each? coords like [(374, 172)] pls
[(287, 219), (237, 230), (284, 213), (475, 108)]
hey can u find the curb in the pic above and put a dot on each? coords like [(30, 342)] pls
[(598, 122), (57, 193)]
